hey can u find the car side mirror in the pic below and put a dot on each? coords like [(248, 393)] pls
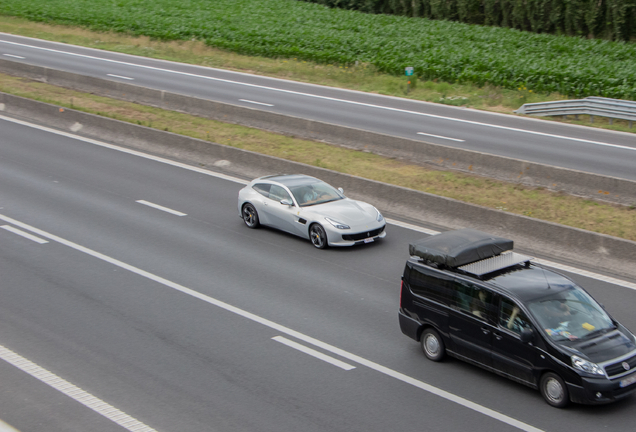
[(341, 190), (527, 335), (287, 202)]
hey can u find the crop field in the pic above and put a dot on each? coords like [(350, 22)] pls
[(438, 50)]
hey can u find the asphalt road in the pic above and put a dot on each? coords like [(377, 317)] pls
[(585, 149), (183, 319)]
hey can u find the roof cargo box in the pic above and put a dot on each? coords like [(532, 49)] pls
[(459, 247)]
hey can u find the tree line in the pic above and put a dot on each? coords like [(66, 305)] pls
[(604, 19)]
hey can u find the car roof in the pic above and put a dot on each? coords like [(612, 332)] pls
[(291, 180)]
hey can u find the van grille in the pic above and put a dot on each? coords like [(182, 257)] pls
[(618, 369)]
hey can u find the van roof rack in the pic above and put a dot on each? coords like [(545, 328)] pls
[(499, 262)]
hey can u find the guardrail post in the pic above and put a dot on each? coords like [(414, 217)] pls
[(591, 119)]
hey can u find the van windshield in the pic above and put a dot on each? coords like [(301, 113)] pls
[(570, 315)]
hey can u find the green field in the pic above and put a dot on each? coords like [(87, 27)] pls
[(438, 50)]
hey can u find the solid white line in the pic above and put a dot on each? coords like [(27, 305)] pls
[(254, 102), (5, 427), (119, 76), (442, 137), (110, 412), (413, 227), (323, 97), (14, 56), (282, 329), (314, 353), (24, 234), (162, 208)]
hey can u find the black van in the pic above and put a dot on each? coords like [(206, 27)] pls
[(466, 294)]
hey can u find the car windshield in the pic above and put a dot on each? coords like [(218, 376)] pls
[(315, 193), (570, 315)]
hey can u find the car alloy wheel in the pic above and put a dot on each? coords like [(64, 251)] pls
[(250, 216), (318, 236)]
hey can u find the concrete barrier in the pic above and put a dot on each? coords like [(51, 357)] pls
[(553, 240), (512, 170)]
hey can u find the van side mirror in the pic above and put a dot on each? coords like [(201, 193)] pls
[(287, 202), (527, 335)]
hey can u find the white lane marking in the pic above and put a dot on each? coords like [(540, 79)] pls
[(413, 227), (5, 427), (14, 56), (282, 329), (99, 406), (254, 102), (442, 137), (313, 353), (162, 208), (120, 76), (24, 234), (323, 97)]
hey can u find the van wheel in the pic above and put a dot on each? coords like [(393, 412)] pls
[(554, 390), (432, 345)]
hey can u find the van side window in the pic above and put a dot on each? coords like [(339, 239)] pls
[(437, 287), (475, 300), (512, 318)]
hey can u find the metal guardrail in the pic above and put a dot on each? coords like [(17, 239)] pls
[(592, 106)]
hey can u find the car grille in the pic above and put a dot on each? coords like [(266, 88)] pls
[(363, 235), (618, 369)]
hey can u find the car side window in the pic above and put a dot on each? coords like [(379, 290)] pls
[(262, 188), (475, 300), (512, 317), (277, 193)]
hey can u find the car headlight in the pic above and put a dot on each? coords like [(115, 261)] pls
[(379, 218), (337, 224), (586, 366)]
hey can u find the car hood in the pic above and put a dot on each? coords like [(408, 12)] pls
[(347, 211)]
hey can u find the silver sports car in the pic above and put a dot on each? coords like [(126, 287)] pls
[(309, 208)]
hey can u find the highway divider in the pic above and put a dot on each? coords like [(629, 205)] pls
[(433, 155), (566, 244)]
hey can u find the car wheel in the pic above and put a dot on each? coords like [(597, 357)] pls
[(432, 345), (318, 236), (554, 390), (250, 216)]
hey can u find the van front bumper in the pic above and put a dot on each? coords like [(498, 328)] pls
[(600, 390)]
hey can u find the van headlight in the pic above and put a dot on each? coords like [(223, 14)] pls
[(586, 366), (337, 224)]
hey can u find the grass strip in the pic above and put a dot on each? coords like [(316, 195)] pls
[(615, 220)]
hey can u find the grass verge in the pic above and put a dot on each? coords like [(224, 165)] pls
[(619, 221)]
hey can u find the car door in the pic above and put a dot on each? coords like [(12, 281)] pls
[(472, 322), (511, 356), (281, 216)]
